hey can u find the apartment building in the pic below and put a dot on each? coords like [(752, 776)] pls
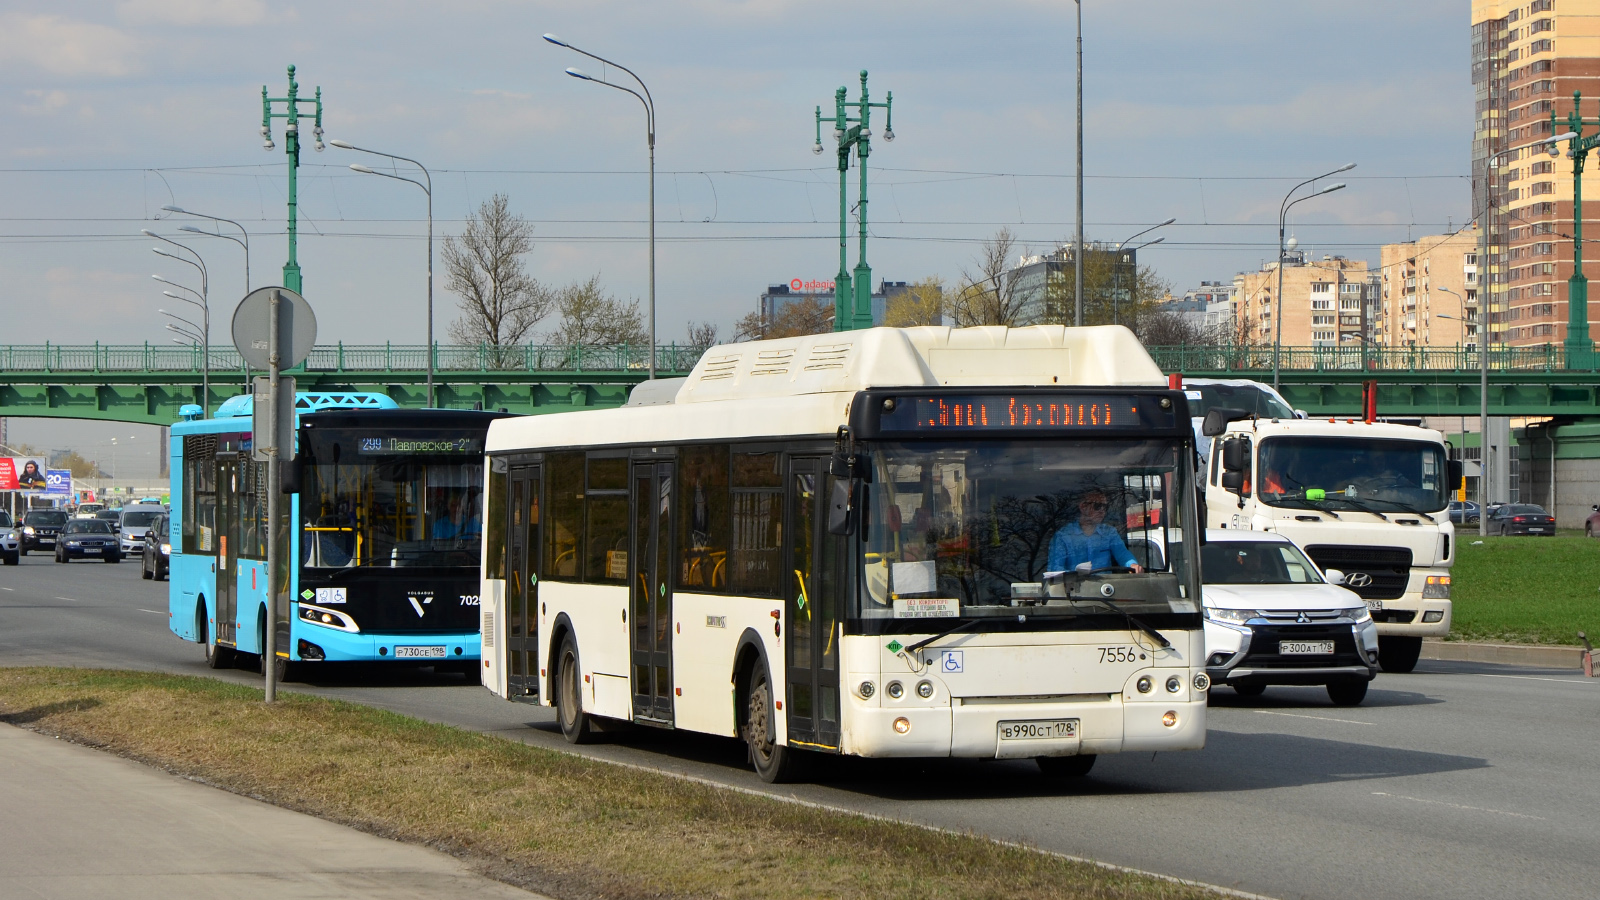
[(1428, 291), (1326, 302), (1527, 60)]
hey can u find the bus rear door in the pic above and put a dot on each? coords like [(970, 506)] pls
[(651, 593), (227, 589), (522, 583)]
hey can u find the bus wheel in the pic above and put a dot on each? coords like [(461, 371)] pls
[(1065, 766), (217, 656), (775, 764), (1398, 654), (576, 726), (287, 671)]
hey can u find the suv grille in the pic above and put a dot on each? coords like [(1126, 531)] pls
[(1389, 567), (1264, 640)]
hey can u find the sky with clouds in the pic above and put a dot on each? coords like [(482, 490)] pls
[(1203, 112)]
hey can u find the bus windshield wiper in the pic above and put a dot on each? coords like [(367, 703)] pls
[(1135, 622), (970, 623)]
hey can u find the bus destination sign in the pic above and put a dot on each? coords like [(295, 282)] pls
[(418, 446), (1025, 412)]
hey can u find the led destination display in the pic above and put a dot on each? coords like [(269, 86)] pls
[(392, 445), (1025, 412)]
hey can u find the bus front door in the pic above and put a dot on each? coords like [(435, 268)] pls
[(227, 587), (651, 592), (522, 583), (812, 646)]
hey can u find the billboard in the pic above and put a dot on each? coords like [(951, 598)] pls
[(58, 481), (22, 473)]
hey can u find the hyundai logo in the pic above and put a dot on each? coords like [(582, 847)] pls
[(1358, 579)]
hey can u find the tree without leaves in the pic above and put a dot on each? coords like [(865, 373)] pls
[(988, 297), (500, 303), (590, 317), (808, 314), (922, 303), (702, 335)]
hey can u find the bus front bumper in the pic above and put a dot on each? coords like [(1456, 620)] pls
[(334, 645), (973, 730)]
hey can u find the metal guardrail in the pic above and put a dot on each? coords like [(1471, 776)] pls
[(341, 357), (1252, 362)]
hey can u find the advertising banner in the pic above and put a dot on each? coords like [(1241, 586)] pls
[(58, 481), (22, 473)]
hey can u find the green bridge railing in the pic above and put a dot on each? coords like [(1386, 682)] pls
[(341, 357), (1350, 362)]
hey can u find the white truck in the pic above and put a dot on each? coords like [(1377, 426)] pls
[(1367, 498)]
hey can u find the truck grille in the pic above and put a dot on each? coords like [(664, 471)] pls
[(1389, 567)]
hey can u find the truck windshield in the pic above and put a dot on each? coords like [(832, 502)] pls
[(981, 528), (390, 499), (1352, 473)]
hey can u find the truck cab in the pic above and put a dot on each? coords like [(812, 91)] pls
[(1367, 498)]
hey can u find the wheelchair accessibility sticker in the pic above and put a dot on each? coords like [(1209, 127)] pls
[(950, 661)]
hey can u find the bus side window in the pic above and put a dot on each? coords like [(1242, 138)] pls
[(703, 518), (200, 494), (606, 515), (565, 480), (755, 554)]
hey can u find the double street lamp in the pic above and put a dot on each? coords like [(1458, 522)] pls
[(427, 188), (650, 139), (1283, 215), (205, 310), (243, 240), (1122, 257)]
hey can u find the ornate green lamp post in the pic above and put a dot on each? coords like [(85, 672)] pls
[(1579, 348), (291, 146), (859, 137)]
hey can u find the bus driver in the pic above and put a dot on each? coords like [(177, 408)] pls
[(1088, 544)]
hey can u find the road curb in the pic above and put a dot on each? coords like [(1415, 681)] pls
[(1505, 654)]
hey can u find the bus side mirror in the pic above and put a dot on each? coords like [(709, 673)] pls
[(289, 476), (1454, 473), (841, 512)]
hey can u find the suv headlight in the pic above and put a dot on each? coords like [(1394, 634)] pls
[(1357, 614), (27, 529), (1238, 616)]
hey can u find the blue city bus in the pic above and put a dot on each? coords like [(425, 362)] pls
[(380, 544)]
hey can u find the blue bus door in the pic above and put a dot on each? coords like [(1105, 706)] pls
[(649, 561), (522, 582), (227, 548)]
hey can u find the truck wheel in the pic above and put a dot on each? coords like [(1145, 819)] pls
[(1398, 654)]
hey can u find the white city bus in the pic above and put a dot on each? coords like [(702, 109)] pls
[(844, 543)]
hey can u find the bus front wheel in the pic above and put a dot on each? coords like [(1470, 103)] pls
[(774, 762), (576, 725)]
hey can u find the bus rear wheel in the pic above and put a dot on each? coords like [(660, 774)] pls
[(1398, 653), (217, 656), (576, 725), (774, 762)]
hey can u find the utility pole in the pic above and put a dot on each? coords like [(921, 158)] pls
[(859, 137), (291, 147), (1579, 348)]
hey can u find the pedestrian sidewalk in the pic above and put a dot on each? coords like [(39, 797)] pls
[(81, 823)]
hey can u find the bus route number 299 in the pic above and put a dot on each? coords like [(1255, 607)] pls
[(1118, 654)]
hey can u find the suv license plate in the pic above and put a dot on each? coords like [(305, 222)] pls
[(1039, 729), (1299, 648), (438, 652)]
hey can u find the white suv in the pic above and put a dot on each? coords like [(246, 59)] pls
[(10, 540), (1273, 618)]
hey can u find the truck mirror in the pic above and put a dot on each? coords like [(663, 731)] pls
[(1454, 473), (1234, 457), (1233, 481), (841, 513), (289, 475), (1216, 421)]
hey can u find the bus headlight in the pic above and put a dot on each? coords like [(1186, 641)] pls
[(895, 690), (327, 618), (902, 725), (1174, 684), (1144, 684), (1437, 588), (1169, 718), (924, 689), (866, 689), (1202, 682)]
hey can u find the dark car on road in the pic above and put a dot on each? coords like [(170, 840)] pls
[(1463, 512), (88, 539), (157, 550), (1521, 518), (40, 527)]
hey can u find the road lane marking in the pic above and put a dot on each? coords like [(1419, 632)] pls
[(1265, 712), (1536, 678), (7, 589), (1498, 812), (154, 612), (69, 599)]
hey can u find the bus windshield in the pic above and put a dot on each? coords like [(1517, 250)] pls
[(1248, 397), (1353, 473), (979, 528), (390, 499)]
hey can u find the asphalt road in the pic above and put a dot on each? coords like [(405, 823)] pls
[(1457, 781)]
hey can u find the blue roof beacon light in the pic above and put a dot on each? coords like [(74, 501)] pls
[(189, 412)]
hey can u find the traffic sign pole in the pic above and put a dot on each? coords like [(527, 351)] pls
[(269, 652)]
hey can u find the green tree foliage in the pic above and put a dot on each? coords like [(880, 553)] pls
[(590, 317), (922, 303)]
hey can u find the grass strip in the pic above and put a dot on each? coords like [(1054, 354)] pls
[(552, 822), (1527, 590)]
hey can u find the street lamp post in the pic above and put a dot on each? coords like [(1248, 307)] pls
[(1580, 349), (1481, 342), (1077, 253), (205, 308), (291, 146), (243, 240), (650, 139), (1116, 294), (1283, 215), (427, 188), (854, 289)]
